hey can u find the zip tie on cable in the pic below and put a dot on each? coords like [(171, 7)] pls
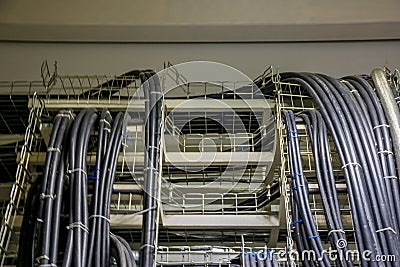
[(150, 168), (47, 265), (381, 125), (68, 114), (93, 178), (294, 175), (63, 115), (156, 92), (53, 149), (297, 186), (39, 220), (385, 152), (293, 134), (390, 177), (146, 245), (77, 170), (313, 236), (78, 225), (336, 231), (95, 170), (127, 137), (99, 216), (386, 229), (296, 222), (43, 257), (107, 129), (144, 211), (43, 196), (105, 121), (351, 163)]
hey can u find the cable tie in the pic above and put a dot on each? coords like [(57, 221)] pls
[(53, 149), (127, 137), (43, 257), (353, 91), (381, 125), (390, 177), (43, 196), (78, 225), (107, 129), (63, 115), (386, 229), (293, 134), (294, 175), (156, 92), (149, 168), (351, 163), (146, 245), (297, 187), (155, 147), (77, 170), (385, 152), (106, 122), (39, 220), (99, 216), (296, 222), (93, 178), (144, 211), (336, 231), (47, 265), (68, 114), (313, 236), (95, 170)]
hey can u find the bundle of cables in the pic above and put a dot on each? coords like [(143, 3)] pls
[(153, 98), (58, 207), (267, 259), (354, 115)]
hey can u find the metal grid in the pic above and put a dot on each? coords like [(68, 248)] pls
[(78, 92), (23, 178), (82, 91)]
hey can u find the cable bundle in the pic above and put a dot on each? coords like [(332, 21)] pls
[(326, 181), (349, 122), (152, 92), (63, 210), (307, 236)]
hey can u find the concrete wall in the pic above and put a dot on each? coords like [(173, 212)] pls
[(22, 60), (198, 21), (111, 37)]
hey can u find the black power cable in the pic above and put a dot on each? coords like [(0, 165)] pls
[(66, 172), (152, 90), (300, 191), (324, 172)]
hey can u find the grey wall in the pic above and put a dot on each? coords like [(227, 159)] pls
[(198, 20), (107, 37), (22, 60)]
